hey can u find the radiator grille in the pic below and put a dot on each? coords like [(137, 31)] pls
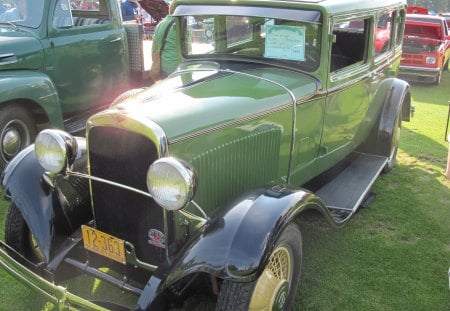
[(124, 157)]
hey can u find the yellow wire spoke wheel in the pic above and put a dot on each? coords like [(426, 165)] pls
[(273, 285), (276, 287)]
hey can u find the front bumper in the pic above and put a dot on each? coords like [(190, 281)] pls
[(419, 74), (58, 295)]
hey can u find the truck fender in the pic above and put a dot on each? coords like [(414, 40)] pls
[(396, 101), (236, 244), (34, 87), (50, 212)]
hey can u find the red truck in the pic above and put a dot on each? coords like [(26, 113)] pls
[(426, 48)]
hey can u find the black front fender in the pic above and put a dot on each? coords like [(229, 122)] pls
[(50, 213), (236, 244)]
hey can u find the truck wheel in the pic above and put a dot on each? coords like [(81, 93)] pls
[(275, 289), (393, 143), (19, 236), (438, 79), (17, 130)]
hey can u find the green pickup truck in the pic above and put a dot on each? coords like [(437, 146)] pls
[(58, 62), (193, 188)]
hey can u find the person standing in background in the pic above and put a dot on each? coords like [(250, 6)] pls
[(166, 53), (129, 9)]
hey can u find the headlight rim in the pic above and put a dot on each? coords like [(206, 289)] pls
[(185, 171), (66, 143)]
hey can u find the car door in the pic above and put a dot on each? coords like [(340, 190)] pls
[(86, 56), (350, 83)]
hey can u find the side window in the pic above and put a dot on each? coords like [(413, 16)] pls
[(383, 33), (349, 43), (70, 14), (62, 17)]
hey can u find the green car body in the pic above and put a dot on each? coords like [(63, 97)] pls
[(277, 108)]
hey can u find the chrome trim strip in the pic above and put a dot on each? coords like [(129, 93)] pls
[(3, 58), (229, 124), (6, 55), (424, 69), (152, 130), (86, 176)]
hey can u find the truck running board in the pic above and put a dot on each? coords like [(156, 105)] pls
[(344, 194)]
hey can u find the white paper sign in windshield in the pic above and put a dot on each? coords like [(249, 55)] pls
[(285, 42)]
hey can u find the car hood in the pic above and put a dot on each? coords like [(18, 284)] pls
[(19, 50), (201, 99)]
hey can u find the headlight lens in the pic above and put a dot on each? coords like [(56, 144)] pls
[(171, 182), (430, 60), (55, 150)]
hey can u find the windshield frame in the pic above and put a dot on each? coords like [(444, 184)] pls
[(312, 18)]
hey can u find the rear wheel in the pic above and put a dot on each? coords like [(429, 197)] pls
[(17, 130), (19, 236), (275, 289)]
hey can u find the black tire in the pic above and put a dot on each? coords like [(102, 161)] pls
[(393, 143), (235, 296), (438, 79), (17, 131), (19, 237)]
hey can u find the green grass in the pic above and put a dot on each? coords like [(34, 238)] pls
[(393, 255)]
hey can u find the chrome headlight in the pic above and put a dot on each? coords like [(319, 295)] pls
[(55, 150), (171, 182), (430, 60)]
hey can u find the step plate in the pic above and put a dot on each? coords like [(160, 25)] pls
[(347, 190)]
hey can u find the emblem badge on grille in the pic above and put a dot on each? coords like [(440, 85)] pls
[(156, 238)]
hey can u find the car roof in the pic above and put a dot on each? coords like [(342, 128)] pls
[(330, 6)]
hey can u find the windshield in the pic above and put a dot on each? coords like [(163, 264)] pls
[(289, 37), (26, 13)]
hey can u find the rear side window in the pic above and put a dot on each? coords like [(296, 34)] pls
[(69, 14), (349, 43), (383, 33)]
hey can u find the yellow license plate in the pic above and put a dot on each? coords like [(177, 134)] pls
[(103, 244)]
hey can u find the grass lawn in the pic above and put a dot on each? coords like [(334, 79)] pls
[(393, 255)]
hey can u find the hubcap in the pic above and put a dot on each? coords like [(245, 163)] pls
[(11, 142), (14, 138), (272, 288)]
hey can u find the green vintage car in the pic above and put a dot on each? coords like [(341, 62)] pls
[(193, 187)]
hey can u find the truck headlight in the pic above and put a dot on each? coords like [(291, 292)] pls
[(430, 60), (171, 182), (55, 150)]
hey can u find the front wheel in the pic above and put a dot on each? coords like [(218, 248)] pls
[(276, 287), (17, 130), (19, 236)]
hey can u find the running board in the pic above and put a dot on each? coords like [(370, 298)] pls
[(344, 194)]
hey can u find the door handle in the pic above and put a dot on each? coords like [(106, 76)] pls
[(115, 40)]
